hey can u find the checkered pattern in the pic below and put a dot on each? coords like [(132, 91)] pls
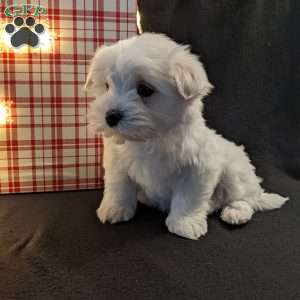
[(47, 147)]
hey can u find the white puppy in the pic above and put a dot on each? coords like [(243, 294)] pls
[(157, 148)]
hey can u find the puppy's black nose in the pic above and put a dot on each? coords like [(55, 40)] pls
[(113, 117)]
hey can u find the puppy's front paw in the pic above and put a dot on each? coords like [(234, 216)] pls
[(191, 227), (114, 213)]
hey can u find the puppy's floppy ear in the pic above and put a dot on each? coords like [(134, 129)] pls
[(89, 81), (96, 60), (189, 74)]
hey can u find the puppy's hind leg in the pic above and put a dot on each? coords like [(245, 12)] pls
[(242, 189), (245, 195), (240, 212), (237, 212)]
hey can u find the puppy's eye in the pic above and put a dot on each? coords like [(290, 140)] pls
[(144, 90), (106, 86)]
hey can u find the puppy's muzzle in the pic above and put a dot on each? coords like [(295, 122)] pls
[(113, 117)]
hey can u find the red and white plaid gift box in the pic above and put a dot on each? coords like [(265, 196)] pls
[(46, 146)]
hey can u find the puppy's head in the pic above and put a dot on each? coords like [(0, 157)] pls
[(143, 86)]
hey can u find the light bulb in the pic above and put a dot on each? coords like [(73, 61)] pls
[(138, 22), (5, 112)]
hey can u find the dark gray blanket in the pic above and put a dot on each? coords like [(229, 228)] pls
[(53, 247)]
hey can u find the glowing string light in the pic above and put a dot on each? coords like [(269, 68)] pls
[(5, 112), (138, 22)]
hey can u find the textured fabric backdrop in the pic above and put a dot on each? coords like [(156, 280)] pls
[(47, 146)]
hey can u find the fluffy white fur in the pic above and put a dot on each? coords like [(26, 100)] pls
[(162, 153)]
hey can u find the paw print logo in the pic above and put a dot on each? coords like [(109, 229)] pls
[(26, 32)]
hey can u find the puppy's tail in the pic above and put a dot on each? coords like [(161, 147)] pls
[(270, 201)]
